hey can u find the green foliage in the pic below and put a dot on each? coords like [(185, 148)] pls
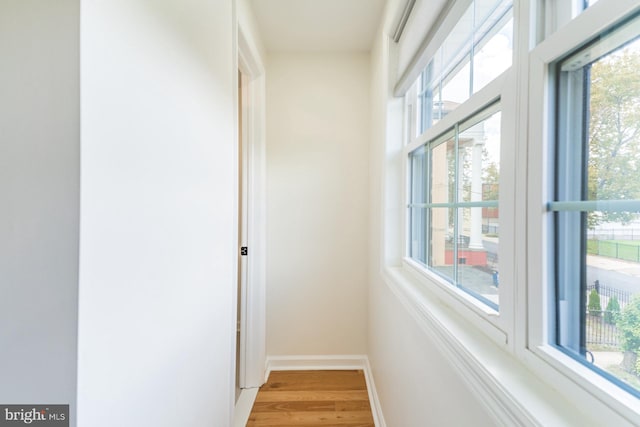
[(612, 311), (629, 325), (614, 133), (594, 303)]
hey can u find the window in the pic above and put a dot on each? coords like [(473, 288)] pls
[(477, 50), (596, 205), (521, 198), (454, 172), (453, 206)]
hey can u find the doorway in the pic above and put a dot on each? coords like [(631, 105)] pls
[(250, 333), (242, 233), (251, 305)]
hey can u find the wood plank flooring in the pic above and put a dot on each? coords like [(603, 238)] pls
[(312, 398)]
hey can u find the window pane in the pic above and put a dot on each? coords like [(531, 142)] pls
[(480, 161), (443, 169), (418, 176), (418, 245), (425, 100), (479, 157), (456, 73), (612, 298), (598, 244), (478, 255), (458, 43), (612, 259), (614, 128), (493, 57), (417, 215), (483, 37), (456, 88), (442, 242)]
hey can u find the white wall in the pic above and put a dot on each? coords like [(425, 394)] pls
[(39, 189), (159, 213), (415, 382), (318, 132)]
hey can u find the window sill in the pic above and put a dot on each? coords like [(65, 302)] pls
[(512, 393), (447, 290), (570, 376)]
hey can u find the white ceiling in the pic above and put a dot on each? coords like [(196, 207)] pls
[(318, 25)]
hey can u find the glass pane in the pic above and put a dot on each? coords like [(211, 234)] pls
[(612, 259), (436, 88), (458, 42), (598, 252), (418, 244), (417, 215), (456, 72), (456, 88), (419, 176), (441, 253), (479, 159), (614, 129), (487, 12), (612, 298), (484, 36), (424, 103), (493, 56), (443, 169), (478, 253)]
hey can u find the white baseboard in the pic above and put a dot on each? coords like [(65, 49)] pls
[(243, 406), (332, 362), (376, 408)]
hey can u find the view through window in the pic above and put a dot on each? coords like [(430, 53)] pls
[(597, 207), (454, 219)]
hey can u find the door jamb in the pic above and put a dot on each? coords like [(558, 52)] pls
[(253, 305)]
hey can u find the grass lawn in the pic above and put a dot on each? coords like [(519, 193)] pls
[(628, 250), (625, 242)]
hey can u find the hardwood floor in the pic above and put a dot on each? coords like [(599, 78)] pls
[(312, 398)]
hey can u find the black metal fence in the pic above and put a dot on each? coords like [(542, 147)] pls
[(601, 328), (607, 292), (600, 332)]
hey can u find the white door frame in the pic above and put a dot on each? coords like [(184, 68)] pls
[(253, 304)]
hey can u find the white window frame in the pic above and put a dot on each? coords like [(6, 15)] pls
[(505, 357), (498, 325), (596, 392)]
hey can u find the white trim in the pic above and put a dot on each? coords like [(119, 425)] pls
[(601, 399), (253, 308), (471, 308), (332, 362), (479, 101), (374, 400), (498, 95), (234, 283), (244, 405), (314, 363)]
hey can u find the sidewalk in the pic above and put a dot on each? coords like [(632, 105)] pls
[(625, 267)]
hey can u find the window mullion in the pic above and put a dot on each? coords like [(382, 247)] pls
[(456, 220), (427, 231)]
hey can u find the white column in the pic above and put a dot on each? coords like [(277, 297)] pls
[(475, 241)]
